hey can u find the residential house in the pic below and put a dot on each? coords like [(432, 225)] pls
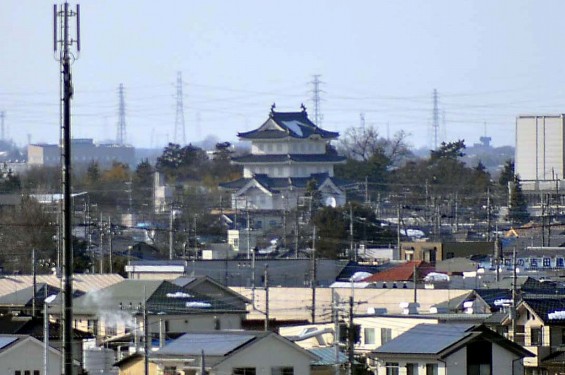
[(24, 355), (233, 352), (540, 328), (288, 151), (169, 308), (449, 349)]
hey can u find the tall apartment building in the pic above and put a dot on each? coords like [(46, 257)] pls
[(540, 147)]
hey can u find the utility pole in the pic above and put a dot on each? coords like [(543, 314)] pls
[(314, 276), (179, 133), (514, 295), (350, 338), (488, 215), (62, 43), (350, 231), (296, 230), (266, 297), (335, 316), (110, 243), (171, 233), (121, 131), (145, 334), (34, 292)]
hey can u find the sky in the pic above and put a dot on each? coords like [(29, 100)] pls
[(379, 59)]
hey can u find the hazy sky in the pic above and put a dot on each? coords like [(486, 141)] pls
[(489, 60)]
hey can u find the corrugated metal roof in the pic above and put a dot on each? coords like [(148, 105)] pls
[(327, 356), (212, 344), (81, 282), (426, 339)]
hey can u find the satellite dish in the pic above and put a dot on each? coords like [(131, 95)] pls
[(330, 201)]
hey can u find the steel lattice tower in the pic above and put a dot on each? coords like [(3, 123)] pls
[(121, 131), (179, 134), (435, 119), (316, 99)]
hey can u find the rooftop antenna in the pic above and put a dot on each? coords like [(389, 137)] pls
[(121, 131), (62, 43), (179, 134)]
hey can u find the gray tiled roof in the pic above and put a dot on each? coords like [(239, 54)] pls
[(291, 124)]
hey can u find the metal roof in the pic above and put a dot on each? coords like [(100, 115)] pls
[(81, 282), (426, 339), (7, 340), (328, 356), (213, 344)]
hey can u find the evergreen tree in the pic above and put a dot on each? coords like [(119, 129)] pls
[(517, 205)]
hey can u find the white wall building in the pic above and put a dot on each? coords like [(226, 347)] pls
[(83, 151), (540, 148)]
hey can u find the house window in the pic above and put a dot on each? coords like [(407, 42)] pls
[(170, 370), (386, 335), (536, 336), (559, 263), (479, 358), (244, 371), (369, 336), (411, 369), (17, 372), (282, 370), (431, 368), (36, 372), (392, 368), (519, 335)]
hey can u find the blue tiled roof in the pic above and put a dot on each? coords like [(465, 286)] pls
[(291, 124), (274, 158)]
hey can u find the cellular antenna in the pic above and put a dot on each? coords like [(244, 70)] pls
[(61, 16), (78, 27)]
